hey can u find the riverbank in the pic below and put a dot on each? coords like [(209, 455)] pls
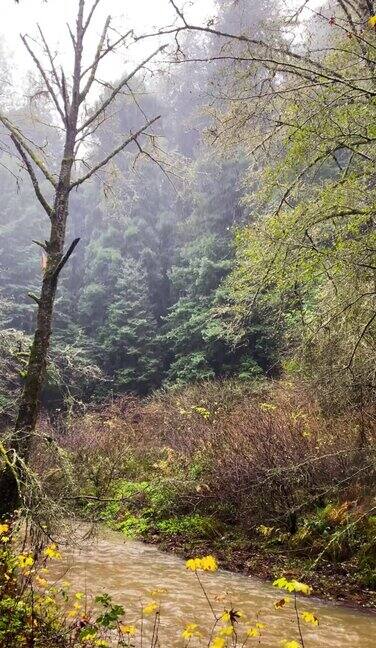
[(254, 473), (329, 581)]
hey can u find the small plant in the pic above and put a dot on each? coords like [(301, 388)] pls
[(189, 526)]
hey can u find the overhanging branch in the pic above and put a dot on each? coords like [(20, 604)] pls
[(21, 140), (121, 147), (118, 88)]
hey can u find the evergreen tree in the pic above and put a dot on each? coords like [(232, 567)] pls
[(129, 335), (193, 335)]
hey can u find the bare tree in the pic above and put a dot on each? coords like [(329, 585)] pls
[(77, 123)]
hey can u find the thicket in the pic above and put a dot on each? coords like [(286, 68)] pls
[(228, 466)]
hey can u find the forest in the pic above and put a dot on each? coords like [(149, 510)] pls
[(188, 323)]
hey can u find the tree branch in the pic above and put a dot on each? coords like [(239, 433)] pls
[(109, 157), (90, 15), (50, 57), (33, 178), (364, 331), (21, 140), (65, 258), (46, 80), (117, 89), (108, 49), (97, 58)]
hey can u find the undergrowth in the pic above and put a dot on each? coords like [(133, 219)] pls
[(236, 468)]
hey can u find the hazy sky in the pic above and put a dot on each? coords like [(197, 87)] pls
[(141, 15)]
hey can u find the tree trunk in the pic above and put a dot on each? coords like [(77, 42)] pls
[(67, 103), (10, 496), (36, 371)]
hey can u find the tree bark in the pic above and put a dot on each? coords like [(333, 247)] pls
[(10, 497)]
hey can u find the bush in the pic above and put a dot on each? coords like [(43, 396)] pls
[(233, 454)]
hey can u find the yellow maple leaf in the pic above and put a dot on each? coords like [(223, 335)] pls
[(309, 617), (150, 607), (128, 629)]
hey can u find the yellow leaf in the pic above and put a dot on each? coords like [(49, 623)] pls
[(291, 644), (191, 630), (193, 564), (309, 617), (128, 629), (301, 587), (52, 552), (227, 631), (207, 563), (292, 586), (372, 21), (218, 642), (25, 561), (150, 608), (4, 528)]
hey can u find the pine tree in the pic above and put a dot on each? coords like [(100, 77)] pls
[(129, 335)]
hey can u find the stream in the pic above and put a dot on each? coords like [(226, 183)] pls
[(130, 570)]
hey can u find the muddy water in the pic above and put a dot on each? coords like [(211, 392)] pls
[(129, 571)]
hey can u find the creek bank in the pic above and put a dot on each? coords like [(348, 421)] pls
[(330, 581), (257, 476)]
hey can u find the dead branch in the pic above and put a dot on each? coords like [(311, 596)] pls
[(45, 79), (121, 147), (33, 178), (118, 88)]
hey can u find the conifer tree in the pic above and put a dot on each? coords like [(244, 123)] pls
[(130, 332)]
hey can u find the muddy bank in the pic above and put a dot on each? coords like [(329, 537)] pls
[(330, 581)]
